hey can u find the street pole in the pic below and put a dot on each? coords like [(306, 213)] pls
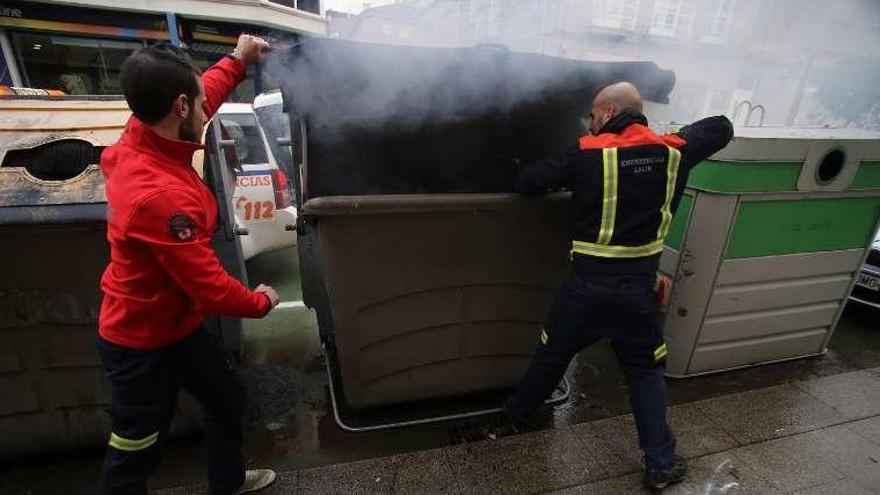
[(173, 35)]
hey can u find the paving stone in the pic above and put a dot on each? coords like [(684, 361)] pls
[(789, 464), (841, 487), (875, 372), (696, 434), (713, 474), (722, 473), (624, 485), (867, 428), (614, 443), (855, 394), (425, 472), (370, 476), (849, 453), (531, 463), (767, 413), (287, 482)]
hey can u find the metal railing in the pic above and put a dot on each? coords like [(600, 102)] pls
[(751, 108)]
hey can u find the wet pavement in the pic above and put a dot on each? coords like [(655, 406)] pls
[(291, 426), (814, 436)]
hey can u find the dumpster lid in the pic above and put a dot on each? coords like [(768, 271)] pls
[(411, 120), (343, 83)]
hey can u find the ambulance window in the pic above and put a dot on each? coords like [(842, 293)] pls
[(249, 145), (276, 125)]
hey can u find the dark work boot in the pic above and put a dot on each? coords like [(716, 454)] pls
[(660, 479)]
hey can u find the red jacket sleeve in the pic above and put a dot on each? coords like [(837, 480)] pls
[(219, 80), (173, 226)]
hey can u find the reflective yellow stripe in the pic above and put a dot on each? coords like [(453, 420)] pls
[(671, 177), (121, 443), (544, 337), (660, 353), (609, 195), (591, 249)]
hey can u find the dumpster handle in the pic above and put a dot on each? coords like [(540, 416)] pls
[(435, 419)]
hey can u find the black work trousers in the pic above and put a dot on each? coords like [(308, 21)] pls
[(619, 307), (145, 386)]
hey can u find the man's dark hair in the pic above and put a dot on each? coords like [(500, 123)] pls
[(154, 76)]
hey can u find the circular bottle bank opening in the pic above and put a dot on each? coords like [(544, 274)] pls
[(830, 166)]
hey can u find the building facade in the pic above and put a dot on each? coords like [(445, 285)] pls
[(78, 46)]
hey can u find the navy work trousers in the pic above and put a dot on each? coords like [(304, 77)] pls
[(619, 307), (145, 385)]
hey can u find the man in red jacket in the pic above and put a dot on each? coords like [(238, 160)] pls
[(164, 276)]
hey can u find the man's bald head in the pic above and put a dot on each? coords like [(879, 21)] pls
[(611, 101), (623, 95)]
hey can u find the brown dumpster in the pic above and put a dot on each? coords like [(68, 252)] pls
[(429, 277)]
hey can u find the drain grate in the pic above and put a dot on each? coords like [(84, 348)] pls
[(477, 429)]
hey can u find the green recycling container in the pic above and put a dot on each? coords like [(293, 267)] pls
[(766, 245)]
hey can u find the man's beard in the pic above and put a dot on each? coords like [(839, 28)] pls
[(188, 131)]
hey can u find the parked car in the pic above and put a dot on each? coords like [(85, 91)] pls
[(867, 288), (261, 198)]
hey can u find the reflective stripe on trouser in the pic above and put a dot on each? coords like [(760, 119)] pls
[(660, 353), (129, 445), (610, 189)]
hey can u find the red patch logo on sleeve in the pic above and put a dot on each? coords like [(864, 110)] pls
[(181, 227)]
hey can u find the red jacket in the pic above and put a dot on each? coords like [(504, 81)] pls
[(163, 274)]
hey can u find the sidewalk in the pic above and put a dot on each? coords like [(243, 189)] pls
[(819, 436)]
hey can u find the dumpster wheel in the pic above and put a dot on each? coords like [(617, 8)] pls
[(564, 388)]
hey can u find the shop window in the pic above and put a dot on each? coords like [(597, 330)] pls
[(77, 66)]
